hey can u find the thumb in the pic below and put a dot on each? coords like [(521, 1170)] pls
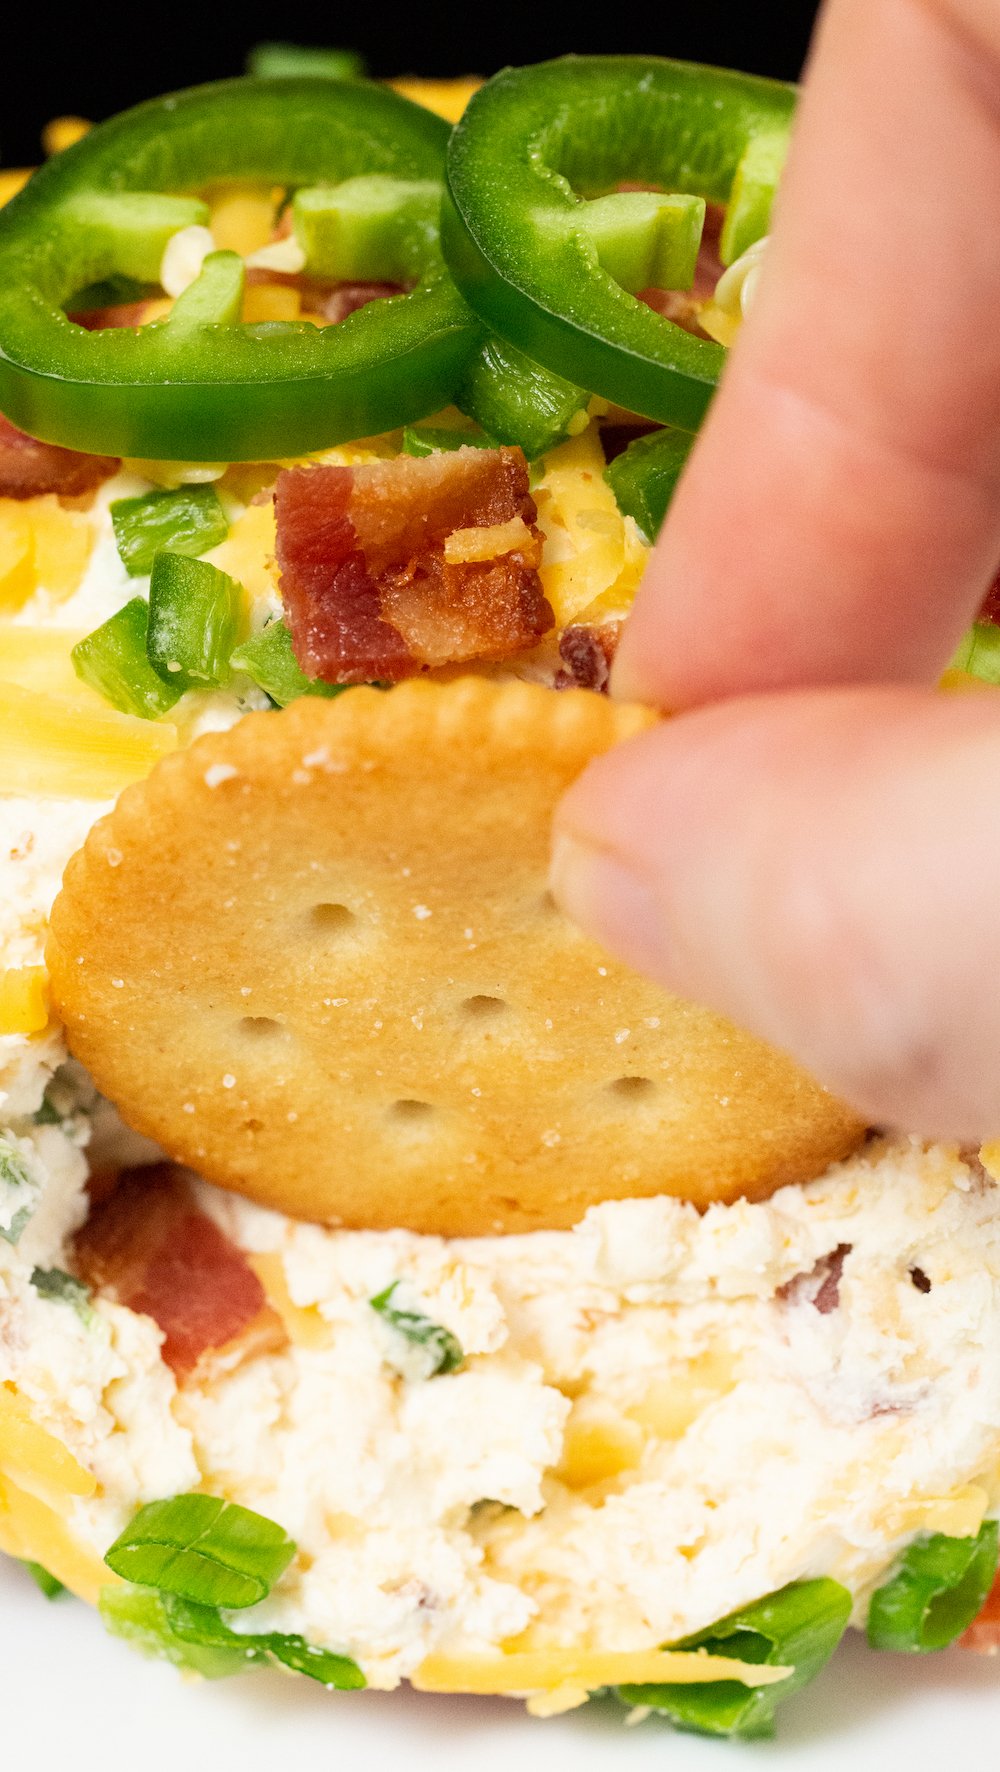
[(823, 867)]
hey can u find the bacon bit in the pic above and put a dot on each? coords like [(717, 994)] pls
[(130, 313), (368, 591), (149, 1247), (990, 610), (820, 1287), (29, 468), (588, 654), (983, 1634), (349, 297)]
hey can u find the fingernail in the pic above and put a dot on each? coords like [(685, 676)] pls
[(609, 902)]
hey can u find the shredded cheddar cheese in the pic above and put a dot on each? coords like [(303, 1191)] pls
[(50, 746), (583, 1670), (468, 546), (24, 1002), (34, 1453), (36, 1533)]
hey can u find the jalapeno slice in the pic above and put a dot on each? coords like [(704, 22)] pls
[(534, 149), (203, 388)]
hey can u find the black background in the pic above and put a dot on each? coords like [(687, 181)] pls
[(97, 59)]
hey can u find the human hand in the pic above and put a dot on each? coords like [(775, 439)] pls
[(812, 848)]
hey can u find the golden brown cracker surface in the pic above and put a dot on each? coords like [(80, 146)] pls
[(315, 958)]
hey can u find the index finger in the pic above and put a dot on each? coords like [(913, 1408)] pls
[(839, 520)]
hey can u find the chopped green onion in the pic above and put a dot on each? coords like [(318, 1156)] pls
[(114, 661), (646, 239), (516, 401), (139, 1615), (194, 617), (20, 1192), (213, 299), (281, 61), (188, 520), (939, 1588), (50, 1586), (204, 1549), (428, 438), (979, 652), (372, 226), (269, 660), (202, 1625), (643, 478), (61, 1288), (798, 1627), (444, 1350)]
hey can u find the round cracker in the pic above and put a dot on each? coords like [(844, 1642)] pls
[(314, 957)]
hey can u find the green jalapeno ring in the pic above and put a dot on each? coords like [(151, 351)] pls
[(514, 230), (214, 391)]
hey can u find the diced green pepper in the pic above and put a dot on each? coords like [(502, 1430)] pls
[(187, 520), (195, 613), (114, 661), (979, 652), (268, 659), (425, 439), (516, 401), (644, 477)]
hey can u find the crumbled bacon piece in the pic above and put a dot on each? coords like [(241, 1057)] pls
[(347, 298), (29, 468), (587, 654), (150, 1248), (368, 592), (129, 313), (820, 1287), (990, 610)]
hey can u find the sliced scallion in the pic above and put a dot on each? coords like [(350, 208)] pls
[(939, 1587), (54, 1284), (202, 1625), (114, 661), (188, 520), (195, 613), (50, 1585), (20, 1191), (204, 1549), (268, 659), (444, 1351), (799, 1627), (139, 1616)]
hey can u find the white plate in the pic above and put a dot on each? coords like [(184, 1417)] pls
[(74, 1700)]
